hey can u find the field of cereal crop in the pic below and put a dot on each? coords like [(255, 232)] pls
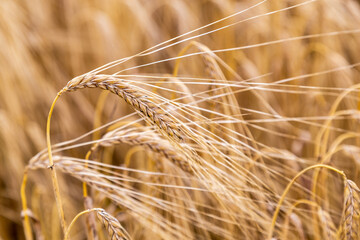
[(181, 119)]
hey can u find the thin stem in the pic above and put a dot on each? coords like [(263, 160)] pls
[(27, 227), (291, 209), (52, 166), (67, 232), (282, 198), (85, 192)]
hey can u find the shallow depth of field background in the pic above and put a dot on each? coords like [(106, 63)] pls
[(44, 44)]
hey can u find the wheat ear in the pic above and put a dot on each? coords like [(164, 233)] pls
[(134, 96), (150, 140), (350, 219), (113, 226)]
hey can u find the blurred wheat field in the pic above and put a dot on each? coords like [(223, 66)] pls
[(207, 119)]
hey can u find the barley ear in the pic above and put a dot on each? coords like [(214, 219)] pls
[(113, 226), (351, 214), (135, 97)]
